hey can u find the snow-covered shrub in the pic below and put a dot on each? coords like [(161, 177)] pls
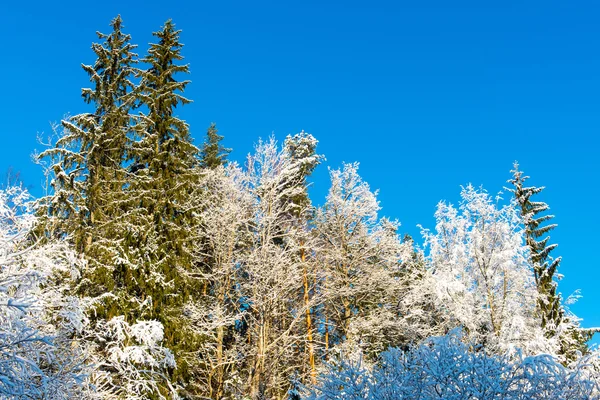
[(129, 360), (447, 368)]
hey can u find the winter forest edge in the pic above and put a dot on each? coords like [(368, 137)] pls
[(155, 269)]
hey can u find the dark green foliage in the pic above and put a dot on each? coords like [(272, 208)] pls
[(552, 314), (213, 154), (544, 266), (160, 240), (88, 155), (122, 186)]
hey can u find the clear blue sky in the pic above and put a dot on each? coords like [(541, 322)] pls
[(427, 95)]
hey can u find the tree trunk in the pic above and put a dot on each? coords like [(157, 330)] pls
[(309, 334)]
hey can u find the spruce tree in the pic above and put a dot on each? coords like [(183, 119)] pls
[(554, 319), (113, 99), (88, 155), (544, 266), (213, 153), (90, 206), (159, 243)]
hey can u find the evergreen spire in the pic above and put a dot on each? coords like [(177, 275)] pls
[(89, 153), (213, 153), (571, 337), (159, 247), (544, 266), (171, 145)]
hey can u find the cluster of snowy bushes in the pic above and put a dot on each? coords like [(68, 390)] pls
[(447, 368)]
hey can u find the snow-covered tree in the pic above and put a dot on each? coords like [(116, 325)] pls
[(480, 272), (360, 258), (300, 149), (157, 270), (154, 235), (272, 271), (38, 358), (86, 160), (225, 210), (557, 322), (129, 361), (213, 153)]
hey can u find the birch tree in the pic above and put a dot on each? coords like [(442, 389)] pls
[(361, 260), (272, 271), (481, 273), (225, 211)]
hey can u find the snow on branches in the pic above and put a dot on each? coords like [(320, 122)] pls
[(480, 273), (37, 357), (447, 368)]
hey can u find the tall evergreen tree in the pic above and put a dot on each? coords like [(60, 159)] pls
[(88, 155), (159, 243), (113, 98), (554, 319), (544, 266), (88, 159), (213, 153), (89, 206)]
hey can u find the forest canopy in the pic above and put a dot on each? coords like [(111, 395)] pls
[(158, 269)]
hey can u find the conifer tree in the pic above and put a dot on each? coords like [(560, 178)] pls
[(544, 266), (89, 205), (159, 244), (554, 319), (87, 157), (213, 153), (113, 98), (89, 175)]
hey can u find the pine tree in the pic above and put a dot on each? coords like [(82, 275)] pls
[(213, 153)]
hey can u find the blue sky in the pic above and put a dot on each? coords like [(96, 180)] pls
[(427, 96)]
